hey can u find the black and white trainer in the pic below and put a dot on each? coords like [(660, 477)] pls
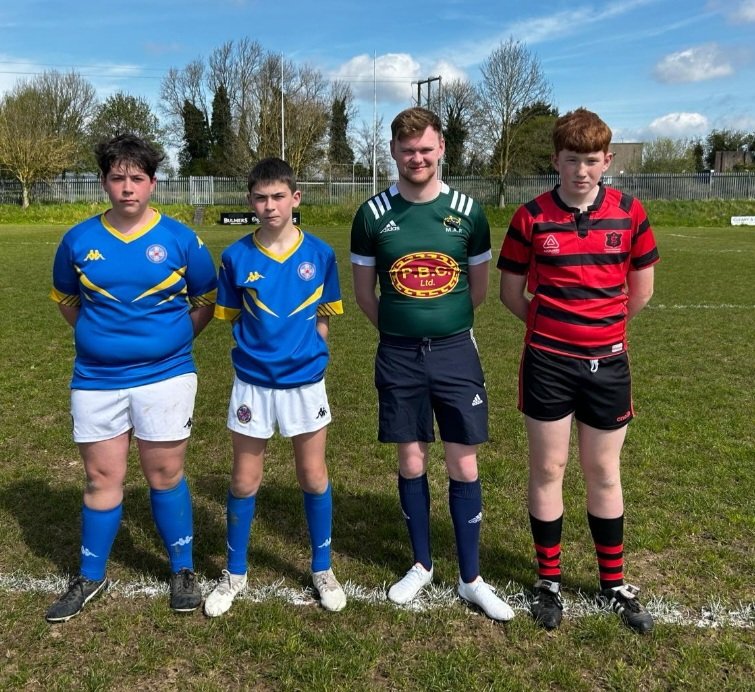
[(185, 595), (79, 592), (623, 601), (546, 605)]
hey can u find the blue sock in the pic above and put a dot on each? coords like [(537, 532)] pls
[(239, 515), (171, 510), (98, 531), (414, 495), (465, 503), (319, 512)]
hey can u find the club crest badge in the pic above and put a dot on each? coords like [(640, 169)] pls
[(306, 271), (157, 254), (244, 414)]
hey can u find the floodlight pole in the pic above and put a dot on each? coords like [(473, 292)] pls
[(283, 117)]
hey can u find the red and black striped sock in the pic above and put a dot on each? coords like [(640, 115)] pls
[(546, 536), (608, 536)]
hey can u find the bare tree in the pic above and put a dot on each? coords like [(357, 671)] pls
[(512, 81), (365, 136), (31, 148)]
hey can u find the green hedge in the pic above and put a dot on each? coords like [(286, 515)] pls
[(711, 213)]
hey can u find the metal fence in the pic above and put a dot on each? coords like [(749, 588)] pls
[(207, 191)]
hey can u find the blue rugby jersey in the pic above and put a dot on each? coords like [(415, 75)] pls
[(134, 293), (273, 302)]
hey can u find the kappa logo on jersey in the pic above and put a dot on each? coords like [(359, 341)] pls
[(94, 255), (613, 242), (477, 400), (424, 274), (390, 227), (157, 254), (452, 224), (253, 276), (306, 271), (551, 246)]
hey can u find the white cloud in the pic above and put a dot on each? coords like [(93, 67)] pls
[(447, 71), (391, 75), (679, 125), (739, 11), (694, 65), (12, 70)]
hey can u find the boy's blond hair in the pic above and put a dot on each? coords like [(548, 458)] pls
[(582, 131)]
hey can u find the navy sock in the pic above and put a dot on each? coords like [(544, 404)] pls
[(172, 512), (239, 515), (414, 495), (319, 512), (98, 531), (465, 503)]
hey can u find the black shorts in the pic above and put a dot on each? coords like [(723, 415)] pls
[(598, 392), (419, 378)]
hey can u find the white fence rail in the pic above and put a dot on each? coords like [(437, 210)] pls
[(207, 191)]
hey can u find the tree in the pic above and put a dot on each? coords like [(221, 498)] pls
[(366, 139), (532, 149), (223, 150), (32, 149), (512, 81), (194, 158), (727, 140), (120, 114), (340, 152), (457, 111), (667, 155)]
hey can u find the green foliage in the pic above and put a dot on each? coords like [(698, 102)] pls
[(339, 149), (194, 158), (223, 139), (727, 140), (667, 155)]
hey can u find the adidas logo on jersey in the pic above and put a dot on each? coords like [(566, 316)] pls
[(390, 227), (477, 400), (94, 255)]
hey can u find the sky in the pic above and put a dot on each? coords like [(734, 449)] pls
[(650, 68)]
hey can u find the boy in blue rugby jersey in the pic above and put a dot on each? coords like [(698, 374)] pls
[(137, 287), (278, 286)]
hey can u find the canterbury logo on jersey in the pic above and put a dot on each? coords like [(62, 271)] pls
[(253, 276), (94, 255)]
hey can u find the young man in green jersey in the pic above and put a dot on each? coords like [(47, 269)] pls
[(427, 246)]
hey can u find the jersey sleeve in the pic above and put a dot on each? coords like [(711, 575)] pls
[(478, 250), (201, 279), (229, 301), (516, 249), (644, 249), (65, 279), (362, 243), (331, 303)]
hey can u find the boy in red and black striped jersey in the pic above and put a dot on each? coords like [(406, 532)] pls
[(576, 265)]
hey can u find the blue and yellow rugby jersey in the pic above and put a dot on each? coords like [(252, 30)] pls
[(134, 294), (273, 302)]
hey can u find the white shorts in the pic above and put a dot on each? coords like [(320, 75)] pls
[(254, 411), (157, 412)]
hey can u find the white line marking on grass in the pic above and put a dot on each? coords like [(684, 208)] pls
[(714, 614)]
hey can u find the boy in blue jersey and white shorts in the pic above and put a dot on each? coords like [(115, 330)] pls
[(137, 288), (278, 286)]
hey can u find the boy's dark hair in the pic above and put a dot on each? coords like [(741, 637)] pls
[(129, 151), (412, 122), (272, 170), (581, 131)]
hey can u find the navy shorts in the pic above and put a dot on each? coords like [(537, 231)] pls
[(417, 379), (598, 392)]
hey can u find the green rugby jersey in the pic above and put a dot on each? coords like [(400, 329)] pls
[(422, 253)]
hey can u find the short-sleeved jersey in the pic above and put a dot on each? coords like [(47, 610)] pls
[(135, 293), (273, 302), (422, 253), (577, 265)]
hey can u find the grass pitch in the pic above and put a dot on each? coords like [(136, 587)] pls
[(688, 466)]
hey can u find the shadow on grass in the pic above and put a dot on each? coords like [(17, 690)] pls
[(49, 518), (368, 527)]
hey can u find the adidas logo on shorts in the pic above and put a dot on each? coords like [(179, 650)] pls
[(477, 400)]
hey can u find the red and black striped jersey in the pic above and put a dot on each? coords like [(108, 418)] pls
[(576, 265)]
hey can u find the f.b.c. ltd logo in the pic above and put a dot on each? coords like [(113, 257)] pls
[(424, 274)]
